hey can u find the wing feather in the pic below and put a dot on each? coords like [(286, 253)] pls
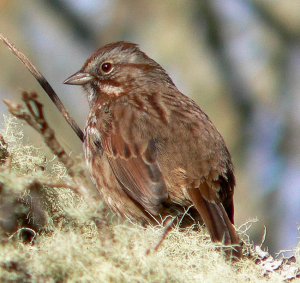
[(136, 169)]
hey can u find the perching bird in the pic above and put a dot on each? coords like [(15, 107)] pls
[(150, 149)]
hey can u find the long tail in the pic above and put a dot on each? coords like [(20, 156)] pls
[(217, 222)]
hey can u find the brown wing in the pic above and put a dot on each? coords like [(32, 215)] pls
[(216, 219), (136, 169)]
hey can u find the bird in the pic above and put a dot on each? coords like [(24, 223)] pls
[(151, 151)]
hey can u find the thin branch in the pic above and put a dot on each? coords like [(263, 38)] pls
[(168, 228), (34, 116), (44, 84), (38, 122)]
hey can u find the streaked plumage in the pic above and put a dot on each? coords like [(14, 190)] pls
[(150, 149)]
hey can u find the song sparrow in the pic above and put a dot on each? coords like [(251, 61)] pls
[(151, 150)]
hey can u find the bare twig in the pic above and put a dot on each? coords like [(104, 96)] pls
[(44, 84), (34, 116), (264, 236), (168, 228), (37, 120)]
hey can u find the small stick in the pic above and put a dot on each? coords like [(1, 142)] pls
[(34, 116), (36, 119), (45, 85), (168, 228)]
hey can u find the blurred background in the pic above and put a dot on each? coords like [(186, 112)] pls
[(238, 59)]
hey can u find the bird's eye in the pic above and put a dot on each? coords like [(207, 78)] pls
[(106, 67)]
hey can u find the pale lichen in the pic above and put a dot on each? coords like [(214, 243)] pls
[(48, 233)]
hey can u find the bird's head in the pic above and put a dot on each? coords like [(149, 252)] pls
[(117, 69)]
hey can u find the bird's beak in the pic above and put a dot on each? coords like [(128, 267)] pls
[(79, 78)]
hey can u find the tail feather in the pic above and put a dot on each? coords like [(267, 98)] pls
[(217, 221)]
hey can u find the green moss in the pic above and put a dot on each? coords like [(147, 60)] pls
[(50, 234)]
